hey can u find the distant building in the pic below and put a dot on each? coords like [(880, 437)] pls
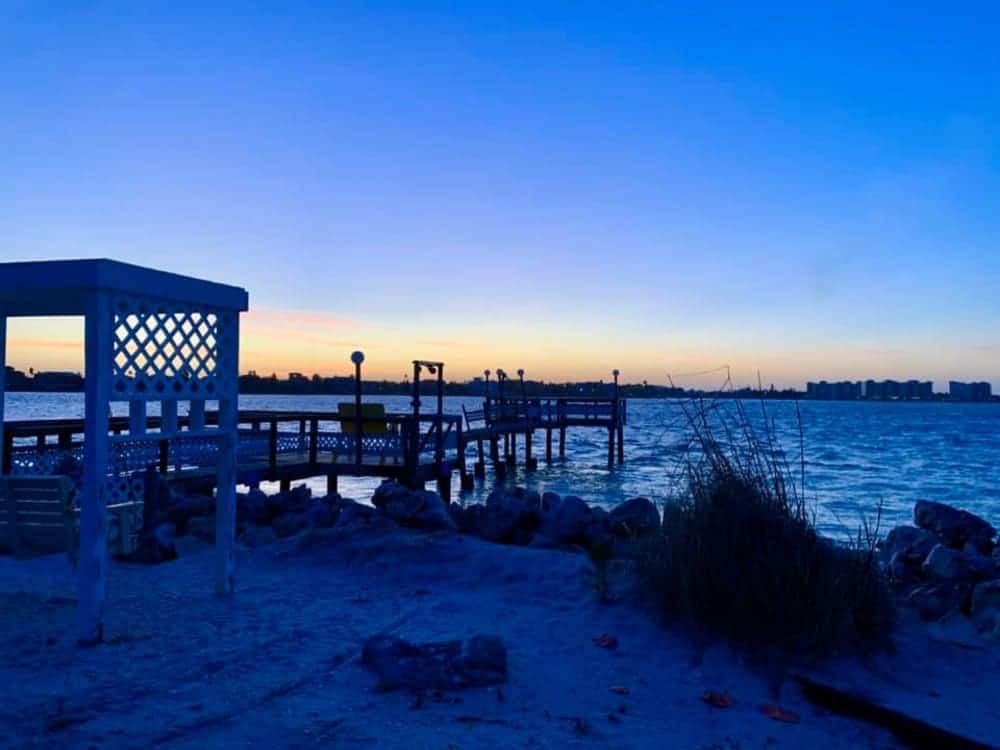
[(842, 391), (969, 391), (893, 390)]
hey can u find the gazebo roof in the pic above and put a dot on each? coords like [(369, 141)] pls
[(61, 287)]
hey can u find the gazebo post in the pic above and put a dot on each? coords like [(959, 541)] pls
[(3, 378), (93, 552), (225, 482)]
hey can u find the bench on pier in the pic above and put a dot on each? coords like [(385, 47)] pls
[(379, 437), (476, 426), (372, 419)]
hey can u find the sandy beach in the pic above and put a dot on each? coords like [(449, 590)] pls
[(278, 664)]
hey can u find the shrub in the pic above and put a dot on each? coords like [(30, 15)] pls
[(739, 555)]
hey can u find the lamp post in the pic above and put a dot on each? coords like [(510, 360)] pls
[(501, 379), (357, 358), (617, 430)]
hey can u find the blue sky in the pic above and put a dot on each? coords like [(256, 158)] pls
[(568, 187)]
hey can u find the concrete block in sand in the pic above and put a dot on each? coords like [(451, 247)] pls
[(474, 662)]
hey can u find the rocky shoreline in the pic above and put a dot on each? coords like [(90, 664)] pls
[(946, 567), (943, 568)]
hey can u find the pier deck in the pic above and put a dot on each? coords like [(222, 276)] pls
[(288, 446)]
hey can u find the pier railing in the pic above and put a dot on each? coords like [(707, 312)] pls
[(267, 441), (557, 411)]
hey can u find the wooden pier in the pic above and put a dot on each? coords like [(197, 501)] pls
[(288, 446), (499, 424), (273, 446)]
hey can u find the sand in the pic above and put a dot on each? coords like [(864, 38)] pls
[(278, 663)]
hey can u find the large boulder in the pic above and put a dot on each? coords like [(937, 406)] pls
[(415, 509), (258, 536), (321, 512), (569, 522), (955, 566), (470, 519), (288, 524), (295, 500), (955, 527), (155, 546), (184, 508), (476, 662), (901, 570), (510, 519), (985, 608), (352, 513), (911, 543), (549, 501), (256, 508), (634, 518), (935, 601)]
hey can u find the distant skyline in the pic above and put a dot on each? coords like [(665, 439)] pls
[(811, 194)]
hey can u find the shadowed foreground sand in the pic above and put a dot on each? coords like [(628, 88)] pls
[(277, 665)]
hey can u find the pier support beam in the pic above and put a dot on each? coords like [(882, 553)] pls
[(611, 447), (331, 484), (621, 444), (548, 445), (480, 467), (562, 442), (444, 487)]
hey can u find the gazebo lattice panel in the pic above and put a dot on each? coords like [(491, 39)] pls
[(169, 351)]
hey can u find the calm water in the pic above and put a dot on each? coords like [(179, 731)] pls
[(856, 454)]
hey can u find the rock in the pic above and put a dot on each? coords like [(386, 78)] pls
[(954, 526), (257, 536), (985, 608), (902, 571), (415, 509), (320, 513), (288, 524), (295, 500), (934, 601), (184, 508), (155, 547), (509, 520), (476, 662), (950, 565), (532, 500), (911, 543), (201, 527), (256, 508), (634, 518), (469, 519), (549, 501), (568, 522), (352, 513)]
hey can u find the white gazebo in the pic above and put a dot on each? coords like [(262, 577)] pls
[(149, 336)]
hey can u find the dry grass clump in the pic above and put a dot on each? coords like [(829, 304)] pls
[(740, 557)]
